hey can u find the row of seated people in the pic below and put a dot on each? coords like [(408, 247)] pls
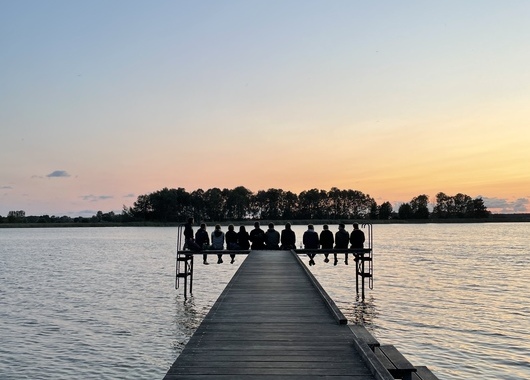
[(257, 239)]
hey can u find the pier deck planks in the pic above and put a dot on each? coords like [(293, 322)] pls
[(270, 323)]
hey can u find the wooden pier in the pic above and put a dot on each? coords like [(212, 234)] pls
[(274, 321)]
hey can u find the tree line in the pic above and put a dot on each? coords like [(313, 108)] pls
[(176, 205), (173, 205), (446, 207), (215, 204), (19, 216)]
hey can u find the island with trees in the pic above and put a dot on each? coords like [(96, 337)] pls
[(175, 205)]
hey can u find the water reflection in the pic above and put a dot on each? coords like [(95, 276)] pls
[(186, 320), (363, 312)]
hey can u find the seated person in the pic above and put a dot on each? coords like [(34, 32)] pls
[(342, 238), (310, 240), (288, 238), (203, 240), (326, 241), (243, 238), (257, 237), (218, 241), (272, 238), (231, 242)]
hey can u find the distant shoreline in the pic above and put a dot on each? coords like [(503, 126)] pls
[(494, 218)]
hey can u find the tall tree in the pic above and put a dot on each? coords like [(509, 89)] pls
[(16, 216), (385, 210), (461, 202), (420, 206), (309, 203), (198, 204), (337, 204), (358, 204), (405, 211), (142, 209), (171, 205), (477, 209), (444, 206), (215, 204), (374, 211), (237, 202), (290, 205)]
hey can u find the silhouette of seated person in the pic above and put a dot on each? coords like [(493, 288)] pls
[(203, 240), (243, 238), (310, 240), (356, 238), (288, 237), (272, 238), (257, 237), (231, 242), (342, 239), (326, 241), (189, 241), (218, 241)]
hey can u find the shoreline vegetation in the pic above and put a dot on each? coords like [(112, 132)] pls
[(240, 206), (175, 206), (493, 218)]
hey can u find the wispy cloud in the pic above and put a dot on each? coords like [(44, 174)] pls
[(58, 173), (506, 206), (95, 198), (6, 187), (130, 195), (520, 205)]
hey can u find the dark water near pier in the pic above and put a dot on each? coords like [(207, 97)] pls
[(100, 302)]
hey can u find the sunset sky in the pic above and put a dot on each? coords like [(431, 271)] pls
[(102, 101)]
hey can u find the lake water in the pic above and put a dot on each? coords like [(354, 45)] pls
[(100, 303)]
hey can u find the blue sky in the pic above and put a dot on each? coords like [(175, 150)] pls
[(395, 99)]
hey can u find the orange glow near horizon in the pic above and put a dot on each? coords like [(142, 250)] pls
[(394, 104)]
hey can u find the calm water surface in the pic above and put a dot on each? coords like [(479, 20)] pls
[(101, 301)]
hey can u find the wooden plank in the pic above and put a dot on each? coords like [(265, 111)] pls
[(364, 335), (374, 364), (385, 361), (223, 365), (424, 373), (299, 370), (395, 362), (271, 355), (397, 358), (258, 377)]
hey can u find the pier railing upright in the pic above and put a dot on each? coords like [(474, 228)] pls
[(184, 264)]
